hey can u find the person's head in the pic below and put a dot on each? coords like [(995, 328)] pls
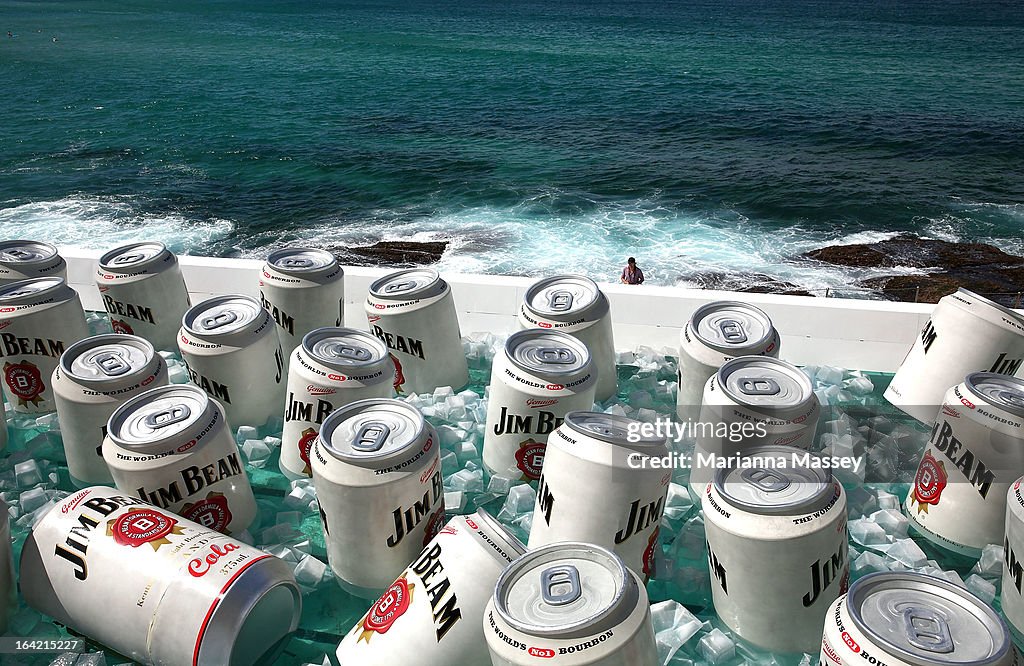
[(631, 261)]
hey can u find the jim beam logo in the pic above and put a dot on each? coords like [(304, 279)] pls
[(399, 375), (530, 458), (127, 310), (211, 512), (929, 482), (305, 444), (192, 480), (139, 527), (75, 548), (430, 507), (400, 343), (392, 605), (25, 382)]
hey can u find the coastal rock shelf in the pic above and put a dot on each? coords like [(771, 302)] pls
[(855, 421)]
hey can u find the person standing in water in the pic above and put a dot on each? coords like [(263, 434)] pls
[(632, 274)]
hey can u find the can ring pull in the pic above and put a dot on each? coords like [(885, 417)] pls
[(767, 480), (295, 262), (351, 353), (111, 364), (19, 293), (927, 630), (560, 300), (371, 437), (170, 416), (17, 254), (559, 576), (556, 355), (732, 331), (129, 258), (759, 386), (218, 320), (405, 285)]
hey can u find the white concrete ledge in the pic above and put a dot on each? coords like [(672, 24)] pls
[(869, 335)]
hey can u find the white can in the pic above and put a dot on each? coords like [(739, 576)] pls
[(171, 447), (95, 377), (575, 305), (144, 292), (910, 619), (715, 333), (27, 259), (599, 487), (752, 401), (431, 615), (570, 604), (1011, 592), (7, 587), (377, 474), (966, 333), (155, 587), (39, 319), (539, 377), (331, 368), (975, 452), (303, 289), (413, 312), (777, 547), (232, 352)]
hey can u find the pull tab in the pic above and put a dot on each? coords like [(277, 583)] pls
[(767, 480), (18, 254), (759, 386), (1012, 397), (111, 364), (371, 437), (166, 417), (19, 293), (405, 285), (927, 630), (218, 320), (556, 355), (560, 576), (350, 353), (295, 262), (732, 331), (560, 301), (129, 258)]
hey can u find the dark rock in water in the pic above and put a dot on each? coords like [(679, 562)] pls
[(981, 268), (912, 251), (756, 283), (392, 253)]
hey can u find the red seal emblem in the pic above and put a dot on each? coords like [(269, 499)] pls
[(25, 382), (141, 526), (434, 525), (305, 445), (650, 553), (121, 326), (530, 458), (399, 375), (212, 512), (929, 482), (391, 606)]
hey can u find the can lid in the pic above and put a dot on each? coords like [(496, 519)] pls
[(547, 353), (408, 285), (302, 262), (373, 432), (223, 316), (772, 480), (762, 381), (611, 428), (35, 290), (107, 360), (562, 296), (566, 590), (500, 531), (992, 304), (999, 390), (927, 621), (731, 326), (156, 420), (345, 349), (25, 253), (134, 256)]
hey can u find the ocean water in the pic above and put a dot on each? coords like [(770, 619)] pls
[(535, 136)]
